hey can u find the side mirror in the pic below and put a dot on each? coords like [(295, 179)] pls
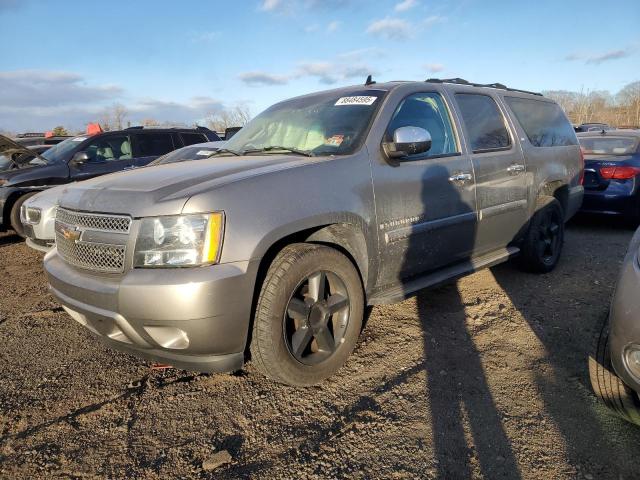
[(408, 141), (80, 158)]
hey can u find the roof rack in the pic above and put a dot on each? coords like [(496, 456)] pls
[(162, 127), (462, 81)]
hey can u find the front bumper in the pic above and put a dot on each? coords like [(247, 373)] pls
[(624, 315), (192, 318)]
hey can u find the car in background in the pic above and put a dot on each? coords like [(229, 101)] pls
[(612, 173), (80, 158), (32, 139), (593, 127), (614, 366), (38, 212)]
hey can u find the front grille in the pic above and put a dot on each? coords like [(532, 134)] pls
[(105, 254), (94, 221)]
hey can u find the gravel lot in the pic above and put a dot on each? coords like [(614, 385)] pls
[(485, 378)]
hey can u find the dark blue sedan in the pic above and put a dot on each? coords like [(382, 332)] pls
[(612, 172)]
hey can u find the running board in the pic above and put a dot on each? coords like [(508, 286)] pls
[(401, 292)]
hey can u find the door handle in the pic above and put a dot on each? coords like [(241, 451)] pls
[(460, 177), (515, 168)]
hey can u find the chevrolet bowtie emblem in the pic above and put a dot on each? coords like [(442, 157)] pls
[(70, 233)]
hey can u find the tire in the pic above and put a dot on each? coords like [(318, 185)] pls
[(303, 332), (607, 386), (14, 216), (541, 248)]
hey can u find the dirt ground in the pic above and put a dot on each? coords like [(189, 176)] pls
[(485, 378)]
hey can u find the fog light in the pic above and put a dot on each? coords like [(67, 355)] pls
[(632, 354), (168, 337)]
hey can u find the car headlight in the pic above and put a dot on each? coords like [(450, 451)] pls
[(30, 215), (179, 240)]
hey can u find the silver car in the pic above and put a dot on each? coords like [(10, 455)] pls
[(614, 367), (37, 213)]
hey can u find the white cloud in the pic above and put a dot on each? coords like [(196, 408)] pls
[(405, 5), (434, 67), (390, 28), (598, 58), (204, 37), (433, 19), (333, 26), (271, 5), (262, 78), (36, 100), (45, 88)]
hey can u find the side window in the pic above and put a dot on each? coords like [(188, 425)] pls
[(193, 138), (153, 144), (544, 122), (484, 122), (107, 149), (428, 111)]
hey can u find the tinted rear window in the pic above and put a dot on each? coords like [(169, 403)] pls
[(193, 138), (154, 144), (608, 145), (544, 123), (484, 122)]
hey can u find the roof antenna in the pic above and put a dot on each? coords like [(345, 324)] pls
[(369, 81)]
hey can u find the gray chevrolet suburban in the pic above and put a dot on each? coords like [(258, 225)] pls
[(323, 204)]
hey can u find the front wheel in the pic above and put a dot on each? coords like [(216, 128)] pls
[(309, 315), (16, 223), (607, 386), (542, 244)]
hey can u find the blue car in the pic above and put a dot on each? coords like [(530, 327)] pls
[(612, 172)]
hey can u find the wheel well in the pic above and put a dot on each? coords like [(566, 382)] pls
[(332, 235), (559, 191), (8, 205)]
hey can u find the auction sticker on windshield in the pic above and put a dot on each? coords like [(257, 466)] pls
[(356, 100)]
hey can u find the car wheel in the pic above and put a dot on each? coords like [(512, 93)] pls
[(542, 245), (308, 316), (14, 217), (607, 385)]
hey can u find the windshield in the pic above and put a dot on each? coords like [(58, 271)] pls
[(318, 125), (195, 152), (60, 152), (608, 145)]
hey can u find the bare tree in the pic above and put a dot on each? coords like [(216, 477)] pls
[(600, 105), (237, 116), (629, 96), (113, 117)]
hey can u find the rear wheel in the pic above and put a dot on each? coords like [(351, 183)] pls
[(309, 315), (542, 244), (14, 217), (607, 386)]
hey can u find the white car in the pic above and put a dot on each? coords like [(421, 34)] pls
[(38, 213)]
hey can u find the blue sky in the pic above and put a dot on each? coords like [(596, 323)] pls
[(63, 62)]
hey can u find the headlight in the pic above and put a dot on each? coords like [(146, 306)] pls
[(632, 354), (30, 215), (179, 241)]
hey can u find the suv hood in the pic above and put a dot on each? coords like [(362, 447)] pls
[(164, 189)]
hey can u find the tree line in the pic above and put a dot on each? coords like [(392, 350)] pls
[(621, 109)]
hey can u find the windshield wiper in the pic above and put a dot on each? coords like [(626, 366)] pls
[(225, 150), (270, 148)]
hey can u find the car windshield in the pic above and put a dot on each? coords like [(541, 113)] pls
[(60, 151), (195, 152), (608, 145), (323, 124)]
